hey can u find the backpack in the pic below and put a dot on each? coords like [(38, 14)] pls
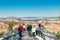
[(29, 27)]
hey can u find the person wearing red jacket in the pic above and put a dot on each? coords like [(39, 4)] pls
[(20, 28)]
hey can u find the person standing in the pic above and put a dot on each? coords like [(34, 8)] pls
[(24, 27), (38, 30), (33, 30), (29, 28), (20, 28), (41, 27)]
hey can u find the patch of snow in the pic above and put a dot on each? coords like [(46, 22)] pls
[(1, 38), (38, 37)]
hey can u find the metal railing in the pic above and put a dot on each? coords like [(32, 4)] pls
[(46, 36), (11, 36)]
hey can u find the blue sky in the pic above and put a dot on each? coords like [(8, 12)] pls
[(35, 8)]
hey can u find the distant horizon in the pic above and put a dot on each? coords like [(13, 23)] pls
[(22, 17)]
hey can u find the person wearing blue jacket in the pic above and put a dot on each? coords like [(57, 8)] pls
[(29, 28)]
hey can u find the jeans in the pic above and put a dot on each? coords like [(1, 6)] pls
[(37, 32), (33, 34), (20, 33)]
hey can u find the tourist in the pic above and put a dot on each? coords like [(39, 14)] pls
[(41, 28), (20, 28), (29, 28), (33, 30), (24, 27)]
